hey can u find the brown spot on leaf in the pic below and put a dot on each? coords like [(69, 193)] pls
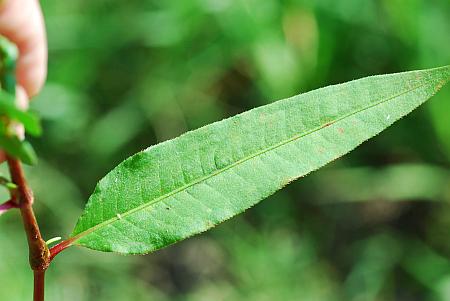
[(440, 85)]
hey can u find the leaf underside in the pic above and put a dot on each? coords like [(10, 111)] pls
[(18, 148), (29, 120), (9, 142), (187, 185)]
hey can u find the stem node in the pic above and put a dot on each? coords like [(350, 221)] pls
[(39, 254)]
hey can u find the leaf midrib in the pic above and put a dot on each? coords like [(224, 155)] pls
[(238, 162)]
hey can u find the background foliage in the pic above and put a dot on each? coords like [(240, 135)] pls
[(124, 75)]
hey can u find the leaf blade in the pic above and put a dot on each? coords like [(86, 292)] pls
[(187, 185), (29, 120), (19, 149)]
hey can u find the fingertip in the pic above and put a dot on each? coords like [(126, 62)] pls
[(21, 98), (22, 22), (32, 64), (32, 70)]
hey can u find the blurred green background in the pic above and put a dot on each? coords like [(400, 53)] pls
[(124, 75)]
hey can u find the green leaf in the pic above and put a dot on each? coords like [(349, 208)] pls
[(8, 57), (19, 149), (29, 120), (187, 185)]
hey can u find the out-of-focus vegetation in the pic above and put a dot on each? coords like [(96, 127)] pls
[(124, 75)]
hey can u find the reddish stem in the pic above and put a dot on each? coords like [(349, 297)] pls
[(56, 249), (39, 254), (39, 284), (11, 204)]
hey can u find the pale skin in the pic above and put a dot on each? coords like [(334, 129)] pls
[(22, 22)]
